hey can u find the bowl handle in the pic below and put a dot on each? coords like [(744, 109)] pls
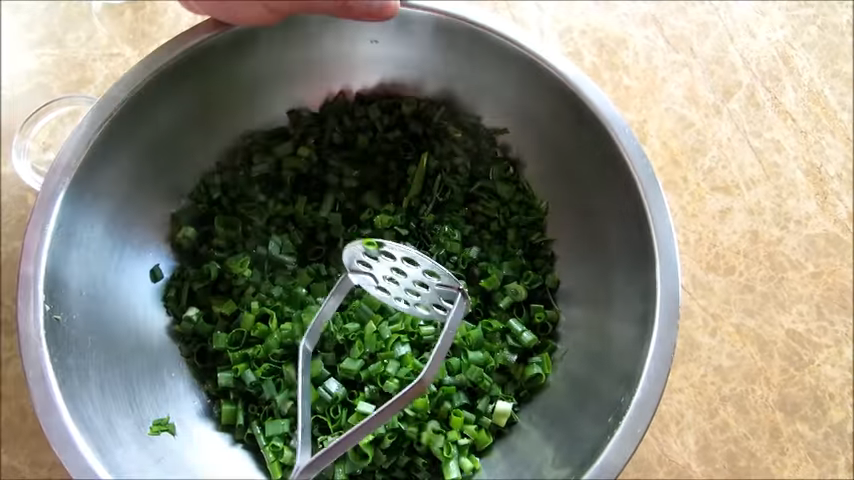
[(42, 133)]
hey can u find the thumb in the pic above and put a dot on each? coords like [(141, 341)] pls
[(268, 12)]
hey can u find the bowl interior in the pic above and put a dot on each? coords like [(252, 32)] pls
[(116, 368)]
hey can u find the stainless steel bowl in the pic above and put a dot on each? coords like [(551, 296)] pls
[(100, 374)]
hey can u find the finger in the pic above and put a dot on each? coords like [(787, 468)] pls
[(268, 12)]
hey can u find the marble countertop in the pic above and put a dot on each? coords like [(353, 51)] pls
[(744, 109)]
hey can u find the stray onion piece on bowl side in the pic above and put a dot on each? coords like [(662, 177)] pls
[(259, 248), (160, 426)]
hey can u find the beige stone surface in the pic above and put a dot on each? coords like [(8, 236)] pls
[(745, 110)]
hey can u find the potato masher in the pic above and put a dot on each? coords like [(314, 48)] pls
[(406, 280)]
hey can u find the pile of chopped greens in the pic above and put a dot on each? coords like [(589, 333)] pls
[(259, 247)]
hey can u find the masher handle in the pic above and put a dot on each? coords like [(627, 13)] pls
[(308, 466)]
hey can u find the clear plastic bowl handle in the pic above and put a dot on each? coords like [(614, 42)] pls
[(42, 133)]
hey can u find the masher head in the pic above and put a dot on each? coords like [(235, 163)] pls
[(402, 277)]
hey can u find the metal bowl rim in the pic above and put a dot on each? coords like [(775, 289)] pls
[(66, 440)]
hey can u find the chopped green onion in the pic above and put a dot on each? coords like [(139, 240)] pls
[(316, 367), (160, 426), (268, 389), (370, 244), (482, 439), (273, 466), (248, 376), (459, 399), (538, 313), (466, 466), (401, 349), (451, 469), (277, 426), (392, 366), (391, 386), (527, 339), (225, 378), (457, 419), (491, 283), (427, 330), (288, 456), (477, 357), (155, 274), (365, 408), (453, 364), (227, 412), (501, 412), (235, 339), (350, 367), (332, 391), (417, 181), (515, 326), (421, 404), (533, 375)]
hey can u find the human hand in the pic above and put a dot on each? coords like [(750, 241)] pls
[(268, 12)]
